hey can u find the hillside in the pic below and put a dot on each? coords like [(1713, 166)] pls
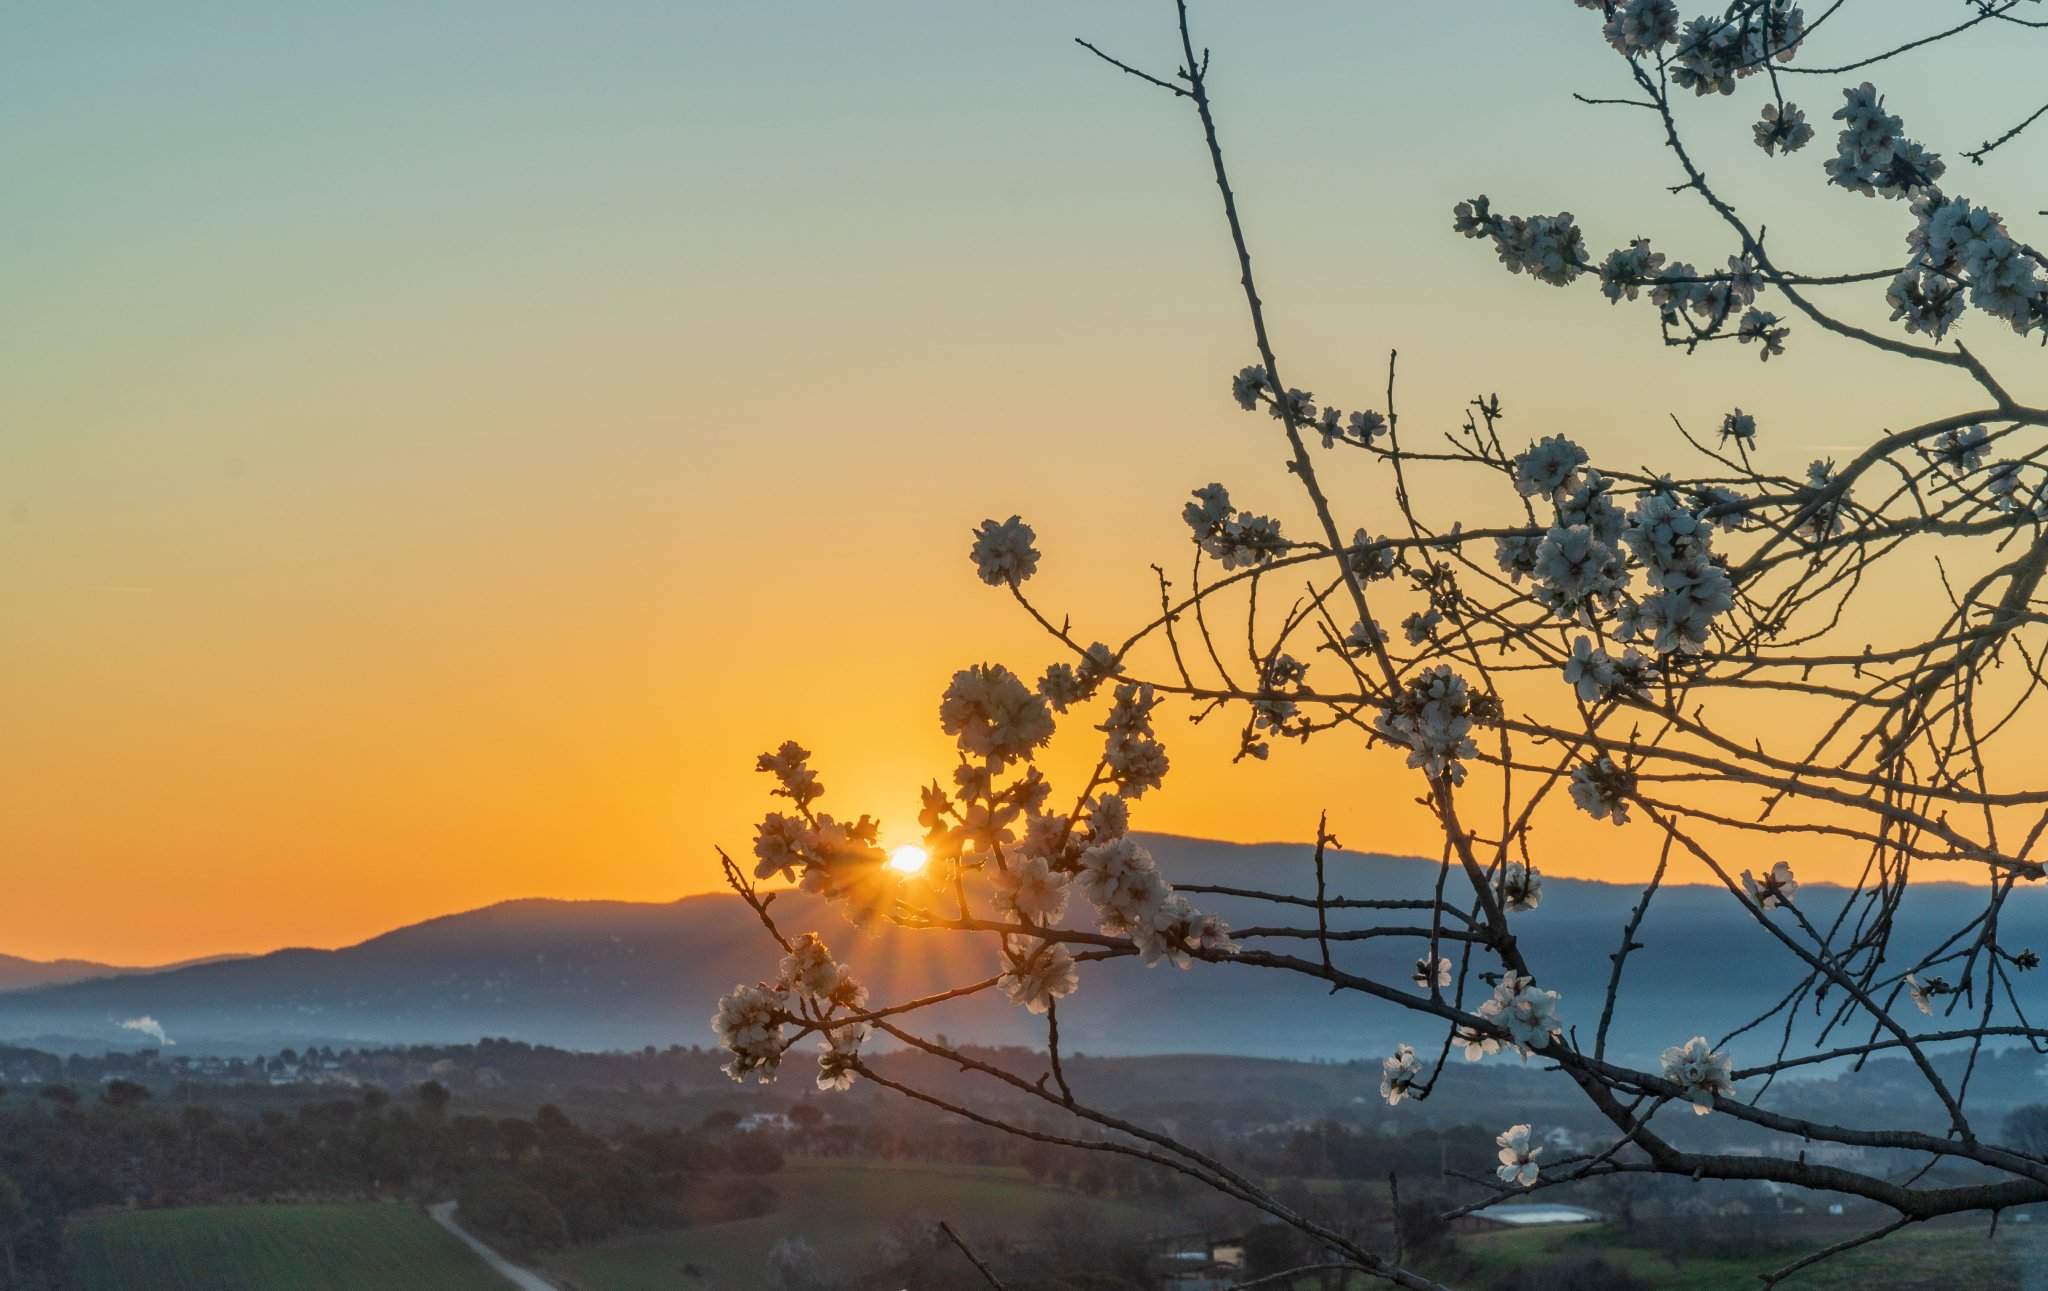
[(599, 974), (17, 974)]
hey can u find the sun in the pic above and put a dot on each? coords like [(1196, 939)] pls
[(907, 859)]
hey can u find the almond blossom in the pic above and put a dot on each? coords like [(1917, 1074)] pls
[(1517, 1159), (1700, 1073), (1399, 1074)]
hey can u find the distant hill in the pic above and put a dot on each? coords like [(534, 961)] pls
[(18, 974), (607, 974)]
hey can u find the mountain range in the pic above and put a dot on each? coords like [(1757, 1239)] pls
[(17, 974), (622, 975)]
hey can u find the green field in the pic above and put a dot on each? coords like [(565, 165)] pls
[(346, 1247), (839, 1206), (1943, 1257)]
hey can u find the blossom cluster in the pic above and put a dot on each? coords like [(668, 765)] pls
[(1064, 685), (1700, 1073), (1432, 718), (1239, 539), (1281, 676), (750, 1020), (1873, 156), (1002, 553), (1549, 248), (1036, 976), (1688, 588), (1525, 1013), (1601, 789), (1552, 249), (994, 715), (1581, 564), (1713, 53), (1963, 251), (1132, 897), (1597, 676), (1131, 751)]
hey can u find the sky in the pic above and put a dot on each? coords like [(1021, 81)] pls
[(442, 445)]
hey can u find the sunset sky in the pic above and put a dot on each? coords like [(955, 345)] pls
[(440, 448)]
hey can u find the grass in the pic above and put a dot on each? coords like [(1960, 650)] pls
[(839, 1206), (1917, 1259), (343, 1247)]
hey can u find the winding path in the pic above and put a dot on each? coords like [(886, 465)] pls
[(523, 1278)]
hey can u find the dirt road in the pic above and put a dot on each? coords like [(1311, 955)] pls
[(523, 1278)]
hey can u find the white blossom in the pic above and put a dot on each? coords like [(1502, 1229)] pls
[(1576, 572), (1363, 426), (1689, 590), (1031, 889), (1120, 879), (1065, 685), (1773, 890), (748, 1024), (1960, 450), (1923, 993), (994, 715), (1239, 539), (1526, 1012), (778, 845), (1595, 675), (1248, 385), (1368, 559), (1109, 818), (1037, 978), (1425, 973), (839, 1050), (1922, 996), (1136, 760), (1421, 625), (1626, 270), (1399, 1074), (1589, 504), (810, 972), (1300, 404), (1872, 155), (1478, 1044), (1549, 248), (1003, 553), (1957, 246), (1641, 26), (1432, 718), (1517, 1159), (1521, 887), (1516, 554), (1823, 514), (1762, 325), (1699, 1072), (790, 765), (1601, 789), (1782, 130), (1549, 468), (1130, 896), (2003, 486), (1172, 931)]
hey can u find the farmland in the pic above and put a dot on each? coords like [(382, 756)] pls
[(340, 1247), (840, 1207)]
